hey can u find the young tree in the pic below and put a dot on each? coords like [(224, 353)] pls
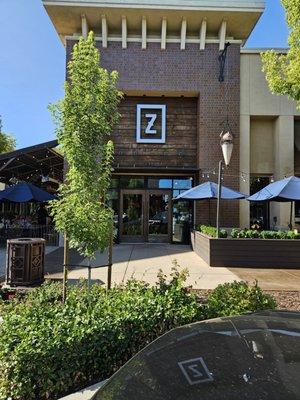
[(7, 142), (84, 120), (283, 70)]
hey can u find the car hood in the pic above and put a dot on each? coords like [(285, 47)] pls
[(255, 356)]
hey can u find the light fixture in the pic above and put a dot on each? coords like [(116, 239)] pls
[(227, 145)]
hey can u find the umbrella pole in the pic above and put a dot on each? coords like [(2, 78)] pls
[(291, 216)]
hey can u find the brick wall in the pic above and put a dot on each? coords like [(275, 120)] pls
[(194, 73)]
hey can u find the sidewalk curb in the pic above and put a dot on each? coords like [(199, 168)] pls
[(84, 394)]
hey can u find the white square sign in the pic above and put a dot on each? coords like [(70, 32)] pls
[(151, 123)]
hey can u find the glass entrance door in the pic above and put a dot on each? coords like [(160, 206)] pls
[(159, 216), (132, 216), (146, 215)]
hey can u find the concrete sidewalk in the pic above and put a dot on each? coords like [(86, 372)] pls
[(143, 261)]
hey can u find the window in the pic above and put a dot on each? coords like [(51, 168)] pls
[(182, 184), (159, 183), (132, 182), (259, 212)]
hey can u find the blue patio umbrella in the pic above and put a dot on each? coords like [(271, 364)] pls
[(209, 190), (285, 190), (25, 192)]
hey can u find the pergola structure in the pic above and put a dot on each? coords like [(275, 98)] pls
[(41, 164)]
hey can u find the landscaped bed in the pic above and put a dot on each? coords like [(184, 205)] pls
[(48, 349), (247, 248), (285, 299)]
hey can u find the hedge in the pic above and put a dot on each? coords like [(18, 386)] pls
[(48, 349), (249, 233), (212, 231), (236, 298), (254, 234)]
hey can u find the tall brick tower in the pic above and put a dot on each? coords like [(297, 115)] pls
[(167, 54)]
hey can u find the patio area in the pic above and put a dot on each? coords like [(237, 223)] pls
[(142, 262)]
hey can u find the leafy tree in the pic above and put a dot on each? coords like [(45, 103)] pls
[(7, 142), (84, 120), (283, 70)]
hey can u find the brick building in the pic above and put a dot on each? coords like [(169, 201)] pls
[(167, 54)]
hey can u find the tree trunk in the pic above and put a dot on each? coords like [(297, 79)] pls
[(89, 275), (110, 254), (65, 268)]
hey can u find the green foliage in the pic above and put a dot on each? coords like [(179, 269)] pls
[(235, 233), (254, 234), (245, 234), (212, 231), (292, 235), (268, 235), (48, 349), (84, 119), (7, 142), (283, 70), (237, 298), (223, 234), (248, 233)]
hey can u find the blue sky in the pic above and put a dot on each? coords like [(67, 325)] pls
[(32, 65)]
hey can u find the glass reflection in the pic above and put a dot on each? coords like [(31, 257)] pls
[(132, 214), (253, 357), (157, 183), (182, 221), (158, 216), (182, 184), (132, 183)]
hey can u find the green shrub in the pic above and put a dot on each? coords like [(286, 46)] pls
[(251, 234), (246, 234), (234, 233), (48, 349), (269, 235), (282, 235), (255, 234), (223, 233), (236, 298), (242, 234), (212, 231), (292, 235), (208, 230), (296, 235)]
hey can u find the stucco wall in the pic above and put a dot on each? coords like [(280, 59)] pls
[(256, 98), (297, 147), (261, 146), (264, 116)]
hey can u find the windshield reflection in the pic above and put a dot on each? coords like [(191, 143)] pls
[(251, 357)]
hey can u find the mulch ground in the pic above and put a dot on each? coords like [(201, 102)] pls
[(286, 300)]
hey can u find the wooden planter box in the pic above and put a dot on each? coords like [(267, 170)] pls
[(251, 253)]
